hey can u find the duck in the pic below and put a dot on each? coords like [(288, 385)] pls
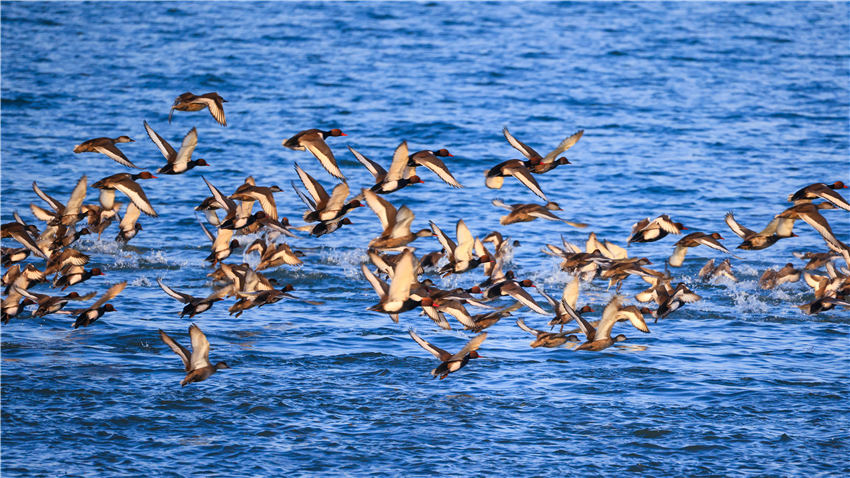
[(194, 305), (541, 164), (816, 260), (546, 339), (823, 191), (393, 180), (450, 363), (326, 227), (129, 226), (515, 290), (530, 212), (262, 298), (396, 297), (396, 223), (273, 255), (565, 309), (61, 259), (48, 304), (190, 102), (65, 214), (313, 140), (695, 239), (495, 176), (126, 183), (12, 255), (99, 218), (460, 255), (89, 315), (323, 207), (22, 234), (74, 274), (823, 304), (263, 194), (431, 160), (657, 229), (17, 279), (724, 269), (809, 212), (773, 278), (196, 363), (107, 146), (485, 320), (236, 217), (178, 161), (599, 338), (668, 303), (223, 244), (755, 241)]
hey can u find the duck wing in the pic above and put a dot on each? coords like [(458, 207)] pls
[(136, 194), (317, 146), (184, 298), (109, 295), (180, 350), (320, 196), (114, 153), (737, 228), (523, 148), (518, 293), (215, 107), (161, 143), (385, 211), (52, 202), (380, 286), (399, 164), (524, 176), (200, 348), (376, 169), (190, 141), (441, 354), (470, 346), (566, 144), (75, 202), (436, 165)]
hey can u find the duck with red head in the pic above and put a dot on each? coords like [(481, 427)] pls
[(73, 274), (396, 178), (313, 140), (823, 191), (51, 304), (126, 183), (178, 161), (430, 160), (87, 316), (541, 164), (515, 290), (450, 362)]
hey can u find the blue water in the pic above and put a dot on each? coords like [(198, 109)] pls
[(689, 109)]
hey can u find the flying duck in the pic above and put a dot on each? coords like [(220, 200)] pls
[(197, 363), (450, 362), (541, 164), (313, 140), (178, 161)]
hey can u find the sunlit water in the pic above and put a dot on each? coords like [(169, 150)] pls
[(688, 109)]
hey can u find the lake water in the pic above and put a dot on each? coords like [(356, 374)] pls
[(689, 109)]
